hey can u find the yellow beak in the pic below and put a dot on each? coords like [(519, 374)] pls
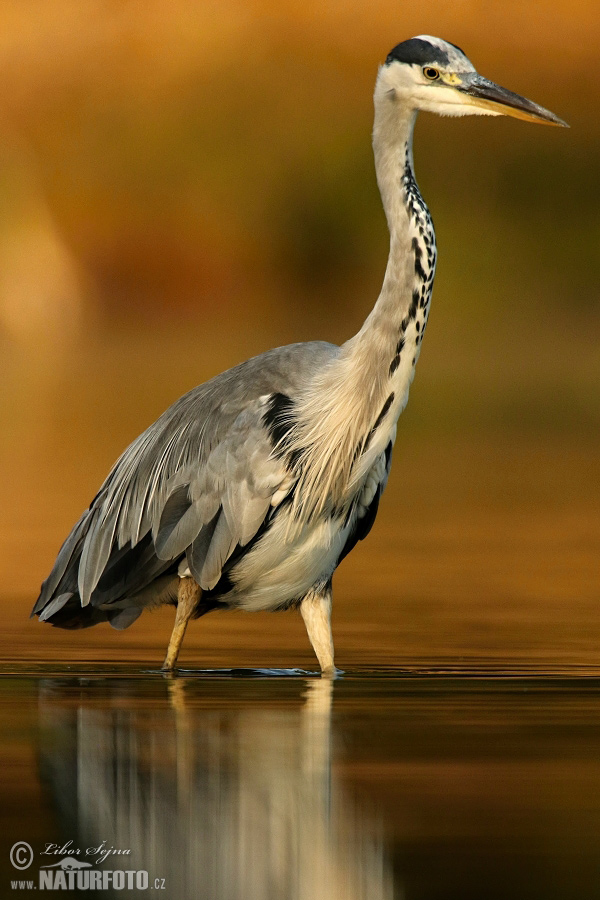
[(487, 95)]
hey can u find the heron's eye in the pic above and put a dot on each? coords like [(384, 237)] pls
[(431, 73)]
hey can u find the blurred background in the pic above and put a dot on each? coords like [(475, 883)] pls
[(184, 185)]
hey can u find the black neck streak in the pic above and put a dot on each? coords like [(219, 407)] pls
[(423, 250)]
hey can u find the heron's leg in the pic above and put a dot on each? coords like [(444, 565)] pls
[(316, 612), (188, 598)]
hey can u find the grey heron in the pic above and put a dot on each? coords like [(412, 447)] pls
[(249, 491)]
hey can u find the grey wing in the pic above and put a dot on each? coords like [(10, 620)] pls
[(219, 506), (199, 482)]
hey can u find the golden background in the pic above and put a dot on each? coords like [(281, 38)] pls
[(184, 185)]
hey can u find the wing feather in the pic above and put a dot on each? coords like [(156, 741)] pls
[(95, 554), (221, 546), (197, 552), (63, 560), (56, 605), (198, 482)]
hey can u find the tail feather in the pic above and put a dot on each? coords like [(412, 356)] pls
[(74, 616), (54, 606), (128, 571), (70, 549), (123, 618)]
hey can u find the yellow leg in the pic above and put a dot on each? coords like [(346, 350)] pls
[(188, 597), (316, 612)]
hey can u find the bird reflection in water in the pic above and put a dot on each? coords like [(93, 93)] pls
[(224, 793)]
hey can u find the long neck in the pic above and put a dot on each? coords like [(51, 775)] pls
[(387, 346), (347, 416)]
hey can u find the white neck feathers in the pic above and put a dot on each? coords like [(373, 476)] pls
[(346, 416)]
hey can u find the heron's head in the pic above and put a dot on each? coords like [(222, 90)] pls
[(430, 74)]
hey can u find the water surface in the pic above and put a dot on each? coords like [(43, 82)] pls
[(257, 784)]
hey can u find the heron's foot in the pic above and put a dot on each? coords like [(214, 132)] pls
[(331, 672), (167, 667)]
